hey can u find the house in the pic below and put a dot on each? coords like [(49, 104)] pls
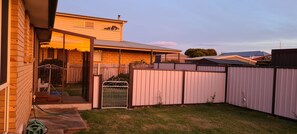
[(24, 23), (247, 54), (284, 57), (170, 58), (110, 49), (222, 57), (220, 62)]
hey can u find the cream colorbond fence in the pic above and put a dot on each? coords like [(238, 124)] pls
[(203, 87), (286, 93), (269, 90), (152, 87), (250, 87)]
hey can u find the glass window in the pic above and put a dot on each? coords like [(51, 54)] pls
[(50, 53)]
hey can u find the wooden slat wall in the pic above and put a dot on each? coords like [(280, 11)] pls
[(21, 67)]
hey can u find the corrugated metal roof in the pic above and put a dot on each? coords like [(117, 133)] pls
[(229, 62), (247, 53), (130, 45)]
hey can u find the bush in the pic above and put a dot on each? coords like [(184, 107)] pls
[(120, 77), (56, 74)]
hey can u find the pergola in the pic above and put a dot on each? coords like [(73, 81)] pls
[(66, 40)]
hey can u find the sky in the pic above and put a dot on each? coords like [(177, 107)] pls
[(225, 25)]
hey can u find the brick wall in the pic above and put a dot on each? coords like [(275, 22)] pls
[(75, 57), (21, 69), (112, 56)]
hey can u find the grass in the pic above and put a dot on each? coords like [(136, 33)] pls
[(206, 118)]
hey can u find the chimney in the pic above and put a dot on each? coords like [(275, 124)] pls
[(119, 17)]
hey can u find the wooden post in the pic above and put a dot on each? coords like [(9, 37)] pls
[(67, 73), (165, 57), (63, 72), (91, 77)]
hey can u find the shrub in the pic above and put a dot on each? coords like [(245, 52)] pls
[(120, 77)]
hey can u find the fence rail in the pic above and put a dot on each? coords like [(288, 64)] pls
[(188, 67)]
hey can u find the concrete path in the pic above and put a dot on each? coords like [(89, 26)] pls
[(60, 120)]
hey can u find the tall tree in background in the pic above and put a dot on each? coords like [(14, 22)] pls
[(199, 52)]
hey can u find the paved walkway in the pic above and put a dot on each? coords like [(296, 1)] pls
[(61, 120)]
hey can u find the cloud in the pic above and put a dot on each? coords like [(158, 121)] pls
[(164, 43)]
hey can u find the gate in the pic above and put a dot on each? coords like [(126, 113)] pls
[(114, 94)]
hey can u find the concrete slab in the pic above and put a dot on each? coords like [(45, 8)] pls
[(60, 120)]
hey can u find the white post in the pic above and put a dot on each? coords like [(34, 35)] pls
[(98, 68)]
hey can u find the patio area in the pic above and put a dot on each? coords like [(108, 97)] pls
[(60, 121)]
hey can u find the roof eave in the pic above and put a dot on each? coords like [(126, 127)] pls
[(90, 17), (137, 49)]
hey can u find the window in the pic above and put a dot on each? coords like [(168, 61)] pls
[(84, 24), (50, 53), (89, 24), (3, 40)]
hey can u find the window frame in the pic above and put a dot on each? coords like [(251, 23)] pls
[(4, 42)]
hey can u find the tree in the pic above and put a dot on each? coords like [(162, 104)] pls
[(198, 52)]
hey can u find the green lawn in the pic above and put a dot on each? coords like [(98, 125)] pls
[(215, 118)]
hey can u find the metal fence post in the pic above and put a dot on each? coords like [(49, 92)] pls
[(100, 92), (183, 88), (130, 90), (273, 91), (226, 82)]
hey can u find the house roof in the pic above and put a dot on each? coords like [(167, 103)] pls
[(223, 57), (127, 45), (226, 62), (247, 53), (90, 17)]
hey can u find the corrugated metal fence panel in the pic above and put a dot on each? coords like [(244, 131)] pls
[(286, 93), (190, 67), (166, 66), (151, 87), (200, 87), (211, 68), (250, 87)]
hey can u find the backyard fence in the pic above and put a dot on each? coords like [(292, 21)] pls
[(74, 73), (152, 87), (188, 67), (270, 90)]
